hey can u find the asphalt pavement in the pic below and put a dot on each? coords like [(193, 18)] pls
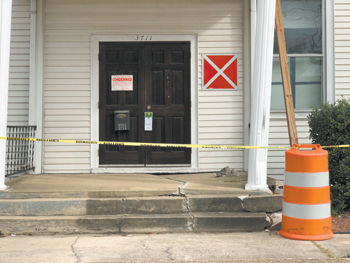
[(189, 247)]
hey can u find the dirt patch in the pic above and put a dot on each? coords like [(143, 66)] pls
[(341, 222)]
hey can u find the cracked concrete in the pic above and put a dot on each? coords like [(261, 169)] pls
[(181, 213), (170, 256), (121, 223), (207, 183), (187, 206), (121, 217), (105, 185), (191, 226), (144, 244), (75, 254), (123, 201), (224, 247), (275, 220), (182, 193), (339, 245), (201, 200), (184, 183), (325, 251), (183, 187), (242, 198)]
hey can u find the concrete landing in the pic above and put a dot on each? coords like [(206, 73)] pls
[(124, 185)]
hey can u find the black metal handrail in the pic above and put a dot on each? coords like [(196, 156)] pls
[(19, 154)]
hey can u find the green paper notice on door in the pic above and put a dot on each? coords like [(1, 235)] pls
[(148, 121)]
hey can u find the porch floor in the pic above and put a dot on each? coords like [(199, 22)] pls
[(124, 185)]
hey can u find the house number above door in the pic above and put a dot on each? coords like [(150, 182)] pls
[(143, 37)]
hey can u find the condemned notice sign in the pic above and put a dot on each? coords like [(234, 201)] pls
[(122, 82)]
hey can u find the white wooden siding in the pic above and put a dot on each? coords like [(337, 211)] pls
[(68, 26), (278, 136), (19, 64), (342, 48)]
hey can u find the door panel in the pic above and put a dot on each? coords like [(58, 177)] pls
[(161, 80), (121, 59), (167, 83)]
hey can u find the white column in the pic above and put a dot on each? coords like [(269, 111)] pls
[(32, 67), (36, 83), (5, 39), (261, 94), (246, 76), (252, 35), (329, 47)]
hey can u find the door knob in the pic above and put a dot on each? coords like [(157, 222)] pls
[(148, 107)]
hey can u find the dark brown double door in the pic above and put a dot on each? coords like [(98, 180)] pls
[(161, 85)]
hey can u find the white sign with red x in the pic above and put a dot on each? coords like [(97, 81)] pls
[(220, 72)]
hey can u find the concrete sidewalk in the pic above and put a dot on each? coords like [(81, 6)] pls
[(223, 247)]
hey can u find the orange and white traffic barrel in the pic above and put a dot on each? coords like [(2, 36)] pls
[(306, 199)]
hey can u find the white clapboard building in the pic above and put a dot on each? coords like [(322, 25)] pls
[(71, 59)]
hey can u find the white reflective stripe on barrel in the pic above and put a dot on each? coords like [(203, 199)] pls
[(307, 211), (306, 179)]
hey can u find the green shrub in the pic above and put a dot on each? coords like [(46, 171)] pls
[(330, 125)]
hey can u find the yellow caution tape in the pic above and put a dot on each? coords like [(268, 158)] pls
[(166, 145), (147, 144), (337, 146)]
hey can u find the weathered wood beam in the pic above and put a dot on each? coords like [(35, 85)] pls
[(287, 90)]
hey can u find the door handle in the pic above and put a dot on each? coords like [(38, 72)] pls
[(148, 107)]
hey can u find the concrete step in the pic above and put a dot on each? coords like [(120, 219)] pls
[(155, 223), (139, 205), (121, 194), (85, 194), (235, 203), (85, 206)]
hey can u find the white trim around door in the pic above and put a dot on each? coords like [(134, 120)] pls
[(95, 39)]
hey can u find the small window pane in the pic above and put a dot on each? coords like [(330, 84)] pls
[(302, 22), (307, 96), (306, 82), (277, 99)]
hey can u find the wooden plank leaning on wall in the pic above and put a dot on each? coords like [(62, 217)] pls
[(287, 91)]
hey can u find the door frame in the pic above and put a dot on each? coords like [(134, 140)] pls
[(94, 88)]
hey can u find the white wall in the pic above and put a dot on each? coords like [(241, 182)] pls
[(342, 48), (68, 26), (278, 136), (19, 64)]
